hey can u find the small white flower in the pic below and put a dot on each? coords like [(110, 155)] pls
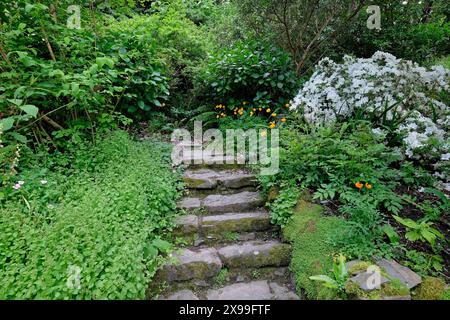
[(21, 183), (43, 182), (445, 157)]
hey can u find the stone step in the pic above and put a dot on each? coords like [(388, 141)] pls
[(238, 202), (217, 226), (255, 290), (196, 156), (210, 179), (191, 264), (256, 254)]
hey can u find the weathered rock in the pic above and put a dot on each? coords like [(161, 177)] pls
[(210, 179), (237, 180), (190, 204), (256, 254), (238, 202), (256, 290), (408, 297), (363, 280), (182, 295), (187, 225), (405, 275), (189, 264), (235, 222), (282, 293), (248, 236), (201, 179)]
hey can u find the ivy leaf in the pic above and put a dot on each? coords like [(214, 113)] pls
[(30, 110)]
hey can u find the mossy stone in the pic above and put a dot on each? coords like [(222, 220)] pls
[(430, 289)]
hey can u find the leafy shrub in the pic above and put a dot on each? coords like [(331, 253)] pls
[(407, 102), (342, 157), (249, 71), (282, 208), (408, 30), (103, 215)]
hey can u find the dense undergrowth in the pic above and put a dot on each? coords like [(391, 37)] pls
[(103, 211)]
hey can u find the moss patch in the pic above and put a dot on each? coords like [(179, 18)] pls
[(430, 289), (394, 288), (312, 253)]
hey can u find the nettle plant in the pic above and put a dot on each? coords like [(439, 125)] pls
[(402, 100)]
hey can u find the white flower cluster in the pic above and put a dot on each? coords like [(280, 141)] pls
[(381, 88)]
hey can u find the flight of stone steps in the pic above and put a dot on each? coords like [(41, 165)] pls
[(233, 251)]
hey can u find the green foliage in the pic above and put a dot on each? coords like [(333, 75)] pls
[(61, 85), (420, 231), (221, 277), (249, 71), (408, 31), (104, 209), (343, 157), (339, 276), (282, 208), (310, 231), (423, 263)]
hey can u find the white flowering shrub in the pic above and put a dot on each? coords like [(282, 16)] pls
[(392, 93)]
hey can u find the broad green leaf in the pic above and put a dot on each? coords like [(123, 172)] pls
[(30, 110), (6, 123), (162, 245), (19, 137), (413, 235)]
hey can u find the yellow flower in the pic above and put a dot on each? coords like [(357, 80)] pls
[(254, 109), (283, 120), (272, 125), (287, 105), (263, 133), (268, 110), (274, 115), (260, 109), (244, 103)]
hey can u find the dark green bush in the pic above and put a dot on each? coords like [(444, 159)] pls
[(249, 71), (407, 31)]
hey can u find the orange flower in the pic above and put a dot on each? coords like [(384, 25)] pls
[(272, 125), (359, 185), (283, 120), (368, 186)]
